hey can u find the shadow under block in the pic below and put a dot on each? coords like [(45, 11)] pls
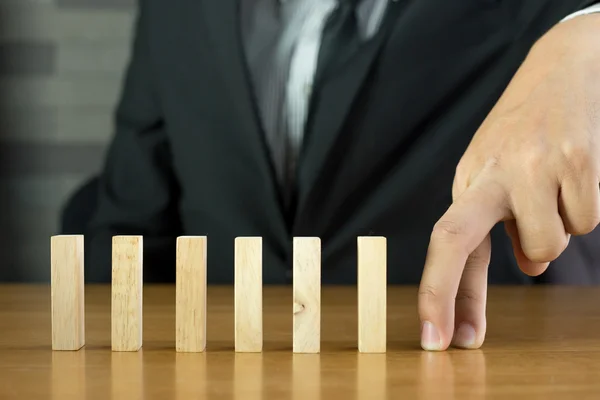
[(67, 292), (307, 295), (372, 301), (190, 294), (127, 281), (248, 295)]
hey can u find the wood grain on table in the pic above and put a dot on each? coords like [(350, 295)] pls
[(542, 343)]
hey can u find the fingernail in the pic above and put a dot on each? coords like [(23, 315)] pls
[(464, 336), (430, 338)]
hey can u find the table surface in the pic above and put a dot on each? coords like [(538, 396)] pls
[(543, 342)]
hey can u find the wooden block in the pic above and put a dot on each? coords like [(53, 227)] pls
[(67, 292), (127, 283), (248, 294), (190, 295), (307, 295), (372, 299)]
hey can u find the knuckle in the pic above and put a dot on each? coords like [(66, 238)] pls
[(428, 292), (447, 230), (532, 161), (468, 295), (493, 162), (577, 157), (477, 261), (430, 301)]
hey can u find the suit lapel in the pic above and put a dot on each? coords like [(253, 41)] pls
[(331, 109), (222, 18)]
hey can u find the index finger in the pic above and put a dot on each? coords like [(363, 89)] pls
[(455, 236)]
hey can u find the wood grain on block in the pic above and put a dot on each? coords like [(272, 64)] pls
[(372, 299), (67, 292), (127, 284), (248, 294), (190, 295), (307, 295)]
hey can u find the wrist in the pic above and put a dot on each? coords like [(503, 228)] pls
[(565, 60)]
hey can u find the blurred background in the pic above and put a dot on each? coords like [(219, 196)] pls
[(61, 69), (61, 66)]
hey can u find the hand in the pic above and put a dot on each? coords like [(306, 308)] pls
[(534, 164)]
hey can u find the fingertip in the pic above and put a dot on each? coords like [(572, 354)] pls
[(430, 337), (467, 337), (542, 241), (526, 264), (544, 255), (436, 313), (528, 267), (534, 269)]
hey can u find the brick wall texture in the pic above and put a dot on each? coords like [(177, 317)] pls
[(61, 67)]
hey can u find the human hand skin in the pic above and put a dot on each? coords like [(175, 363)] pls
[(535, 164)]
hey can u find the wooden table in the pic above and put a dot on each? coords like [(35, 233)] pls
[(543, 343)]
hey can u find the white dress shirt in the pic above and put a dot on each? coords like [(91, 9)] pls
[(283, 55)]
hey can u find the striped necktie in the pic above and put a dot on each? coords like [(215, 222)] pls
[(340, 39)]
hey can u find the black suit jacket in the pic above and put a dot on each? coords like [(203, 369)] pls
[(384, 137)]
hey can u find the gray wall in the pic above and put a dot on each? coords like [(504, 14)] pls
[(61, 66)]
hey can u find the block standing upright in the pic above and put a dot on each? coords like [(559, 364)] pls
[(307, 295), (127, 284), (190, 294), (67, 292), (372, 294), (248, 295)]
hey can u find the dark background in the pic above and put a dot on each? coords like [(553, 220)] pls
[(61, 66)]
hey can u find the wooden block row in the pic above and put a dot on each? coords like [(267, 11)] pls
[(127, 293)]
